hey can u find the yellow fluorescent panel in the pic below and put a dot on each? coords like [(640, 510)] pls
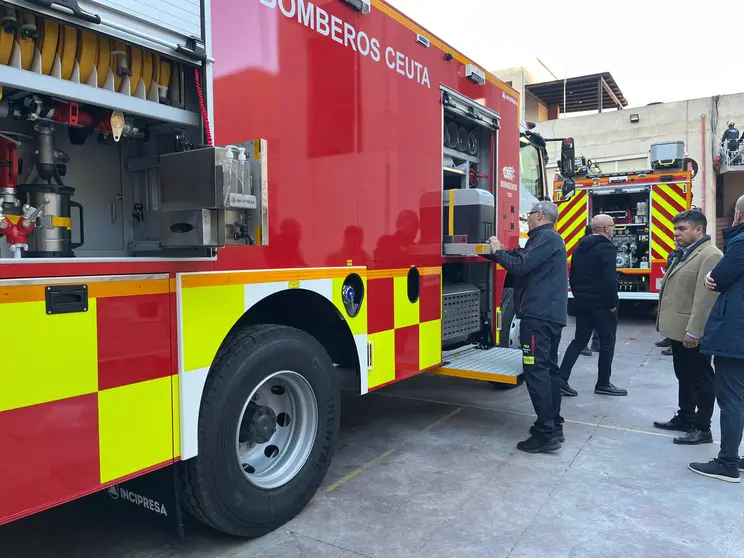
[(383, 358), (135, 425), (208, 314), (71, 338), (430, 344)]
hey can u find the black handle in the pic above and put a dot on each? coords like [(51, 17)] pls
[(66, 299), (71, 5), (79, 207)]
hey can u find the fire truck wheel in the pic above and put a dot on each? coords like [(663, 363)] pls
[(267, 430), (509, 333)]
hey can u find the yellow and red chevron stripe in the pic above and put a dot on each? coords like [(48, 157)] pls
[(573, 216), (667, 200), (89, 400)]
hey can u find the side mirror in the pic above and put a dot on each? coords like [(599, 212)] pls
[(568, 188), (568, 158)]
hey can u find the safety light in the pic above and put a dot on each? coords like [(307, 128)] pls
[(363, 6)]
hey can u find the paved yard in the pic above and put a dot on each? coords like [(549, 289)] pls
[(429, 468)]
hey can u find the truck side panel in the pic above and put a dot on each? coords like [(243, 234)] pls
[(351, 107), (101, 409), (355, 129)]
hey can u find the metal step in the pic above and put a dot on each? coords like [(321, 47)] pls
[(498, 364)]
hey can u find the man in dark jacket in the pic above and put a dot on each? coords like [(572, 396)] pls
[(541, 295), (723, 338), (594, 287), (595, 336)]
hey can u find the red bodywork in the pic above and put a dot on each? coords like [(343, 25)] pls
[(354, 149)]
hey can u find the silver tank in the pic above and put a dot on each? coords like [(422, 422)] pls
[(52, 236)]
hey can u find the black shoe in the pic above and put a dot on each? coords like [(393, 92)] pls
[(694, 437), (715, 470), (741, 464), (586, 351), (567, 390), (595, 348), (675, 424), (666, 342), (538, 443), (667, 352), (557, 433), (609, 389)]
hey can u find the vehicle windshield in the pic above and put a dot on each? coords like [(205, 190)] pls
[(529, 170)]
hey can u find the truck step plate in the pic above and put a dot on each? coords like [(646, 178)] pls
[(498, 364)]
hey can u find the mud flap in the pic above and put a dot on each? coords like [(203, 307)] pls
[(152, 498)]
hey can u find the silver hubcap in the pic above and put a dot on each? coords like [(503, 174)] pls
[(514, 333), (277, 429)]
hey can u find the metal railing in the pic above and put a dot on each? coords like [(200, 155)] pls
[(732, 160)]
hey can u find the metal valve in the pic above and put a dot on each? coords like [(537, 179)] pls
[(29, 218)]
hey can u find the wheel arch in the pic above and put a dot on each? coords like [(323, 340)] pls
[(312, 307), (312, 313)]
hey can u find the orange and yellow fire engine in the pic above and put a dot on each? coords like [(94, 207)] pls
[(642, 203)]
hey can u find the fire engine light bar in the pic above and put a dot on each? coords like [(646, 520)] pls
[(363, 6)]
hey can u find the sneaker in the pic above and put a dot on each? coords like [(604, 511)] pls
[(538, 443), (586, 351), (675, 423), (609, 389), (666, 342), (567, 390), (557, 433), (694, 437), (667, 352), (715, 470)]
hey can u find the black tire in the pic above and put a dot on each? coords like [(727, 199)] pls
[(215, 489), (508, 312)]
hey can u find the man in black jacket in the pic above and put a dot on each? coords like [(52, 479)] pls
[(541, 295), (594, 286), (723, 338)]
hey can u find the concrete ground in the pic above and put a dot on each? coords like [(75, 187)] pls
[(429, 468)]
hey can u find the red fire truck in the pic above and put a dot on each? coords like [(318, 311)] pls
[(193, 309), (642, 203)]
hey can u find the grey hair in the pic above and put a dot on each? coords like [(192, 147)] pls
[(548, 209), (740, 205)]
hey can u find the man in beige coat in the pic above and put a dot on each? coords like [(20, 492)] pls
[(684, 305)]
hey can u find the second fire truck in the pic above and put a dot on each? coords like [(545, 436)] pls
[(642, 204)]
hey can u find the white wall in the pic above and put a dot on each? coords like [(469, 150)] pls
[(610, 135)]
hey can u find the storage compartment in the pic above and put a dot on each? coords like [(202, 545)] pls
[(469, 211), (172, 28), (101, 151), (466, 304), (631, 212)]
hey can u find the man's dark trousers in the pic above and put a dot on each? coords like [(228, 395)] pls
[(540, 340), (587, 320), (696, 386), (730, 393)]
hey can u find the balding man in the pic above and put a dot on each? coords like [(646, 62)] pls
[(594, 286), (541, 296), (723, 338)]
